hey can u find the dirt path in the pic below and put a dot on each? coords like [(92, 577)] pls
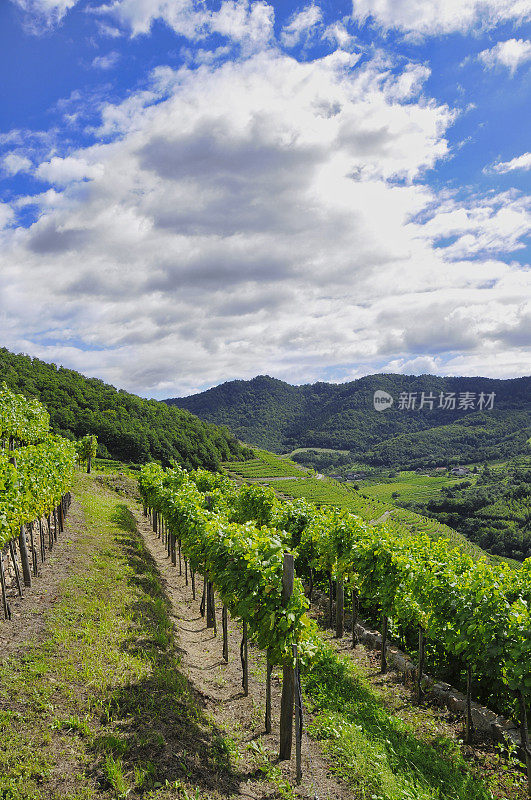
[(220, 687), (28, 612)]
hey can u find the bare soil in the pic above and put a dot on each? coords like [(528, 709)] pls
[(28, 612)]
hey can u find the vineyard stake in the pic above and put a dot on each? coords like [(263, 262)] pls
[(224, 626), (7, 608), (193, 585), (355, 639), (42, 541), (209, 609), (340, 608), (202, 605), (180, 562), (50, 537), (469, 725), (213, 603), (298, 717), (55, 526), (330, 600), (15, 566), (33, 551), (244, 655), (288, 676), (383, 659), (420, 669), (269, 671), (24, 559)]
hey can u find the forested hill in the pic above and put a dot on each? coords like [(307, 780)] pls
[(128, 427), (273, 414)]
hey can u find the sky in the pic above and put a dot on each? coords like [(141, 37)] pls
[(192, 192)]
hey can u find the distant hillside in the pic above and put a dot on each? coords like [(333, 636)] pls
[(128, 427), (273, 414)]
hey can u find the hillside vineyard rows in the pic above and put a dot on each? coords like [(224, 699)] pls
[(333, 493), (237, 538), (36, 471)]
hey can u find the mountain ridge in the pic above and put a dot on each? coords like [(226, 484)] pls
[(271, 413)]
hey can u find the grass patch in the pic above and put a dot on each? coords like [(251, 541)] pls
[(377, 753), (99, 707)]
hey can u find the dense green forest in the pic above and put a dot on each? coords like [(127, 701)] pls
[(128, 427), (273, 414), (495, 513)]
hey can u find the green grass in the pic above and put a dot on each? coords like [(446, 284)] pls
[(99, 707), (376, 752), (264, 465), (412, 487)]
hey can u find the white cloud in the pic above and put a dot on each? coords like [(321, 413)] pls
[(520, 162), (262, 215), (338, 34), (44, 12), (14, 163), (107, 61), (511, 54), (62, 171), (436, 17), (300, 25), (249, 24)]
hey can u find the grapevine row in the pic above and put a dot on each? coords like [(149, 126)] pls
[(479, 612), (22, 421)]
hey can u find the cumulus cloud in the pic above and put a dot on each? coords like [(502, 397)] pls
[(437, 17), (300, 25), (14, 163), (286, 233), (519, 162), (62, 171), (249, 24), (510, 54), (44, 12)]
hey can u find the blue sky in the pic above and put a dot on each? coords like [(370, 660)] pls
[(193, 192)]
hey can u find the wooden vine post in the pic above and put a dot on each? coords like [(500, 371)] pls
[(288, 673), (24, 558), (244, 652), (225, 628), (269, 672), (209, 605), (354, 618), (469, 724), (340, 607), (383, 661), (298, 717), (330, 600), (15, 566), (422, 657), (5, 603)]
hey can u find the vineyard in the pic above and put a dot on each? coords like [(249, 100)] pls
[(243, 540), (411, 487), (264, 465), (35, 480), (329, 492), (257, 561)]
